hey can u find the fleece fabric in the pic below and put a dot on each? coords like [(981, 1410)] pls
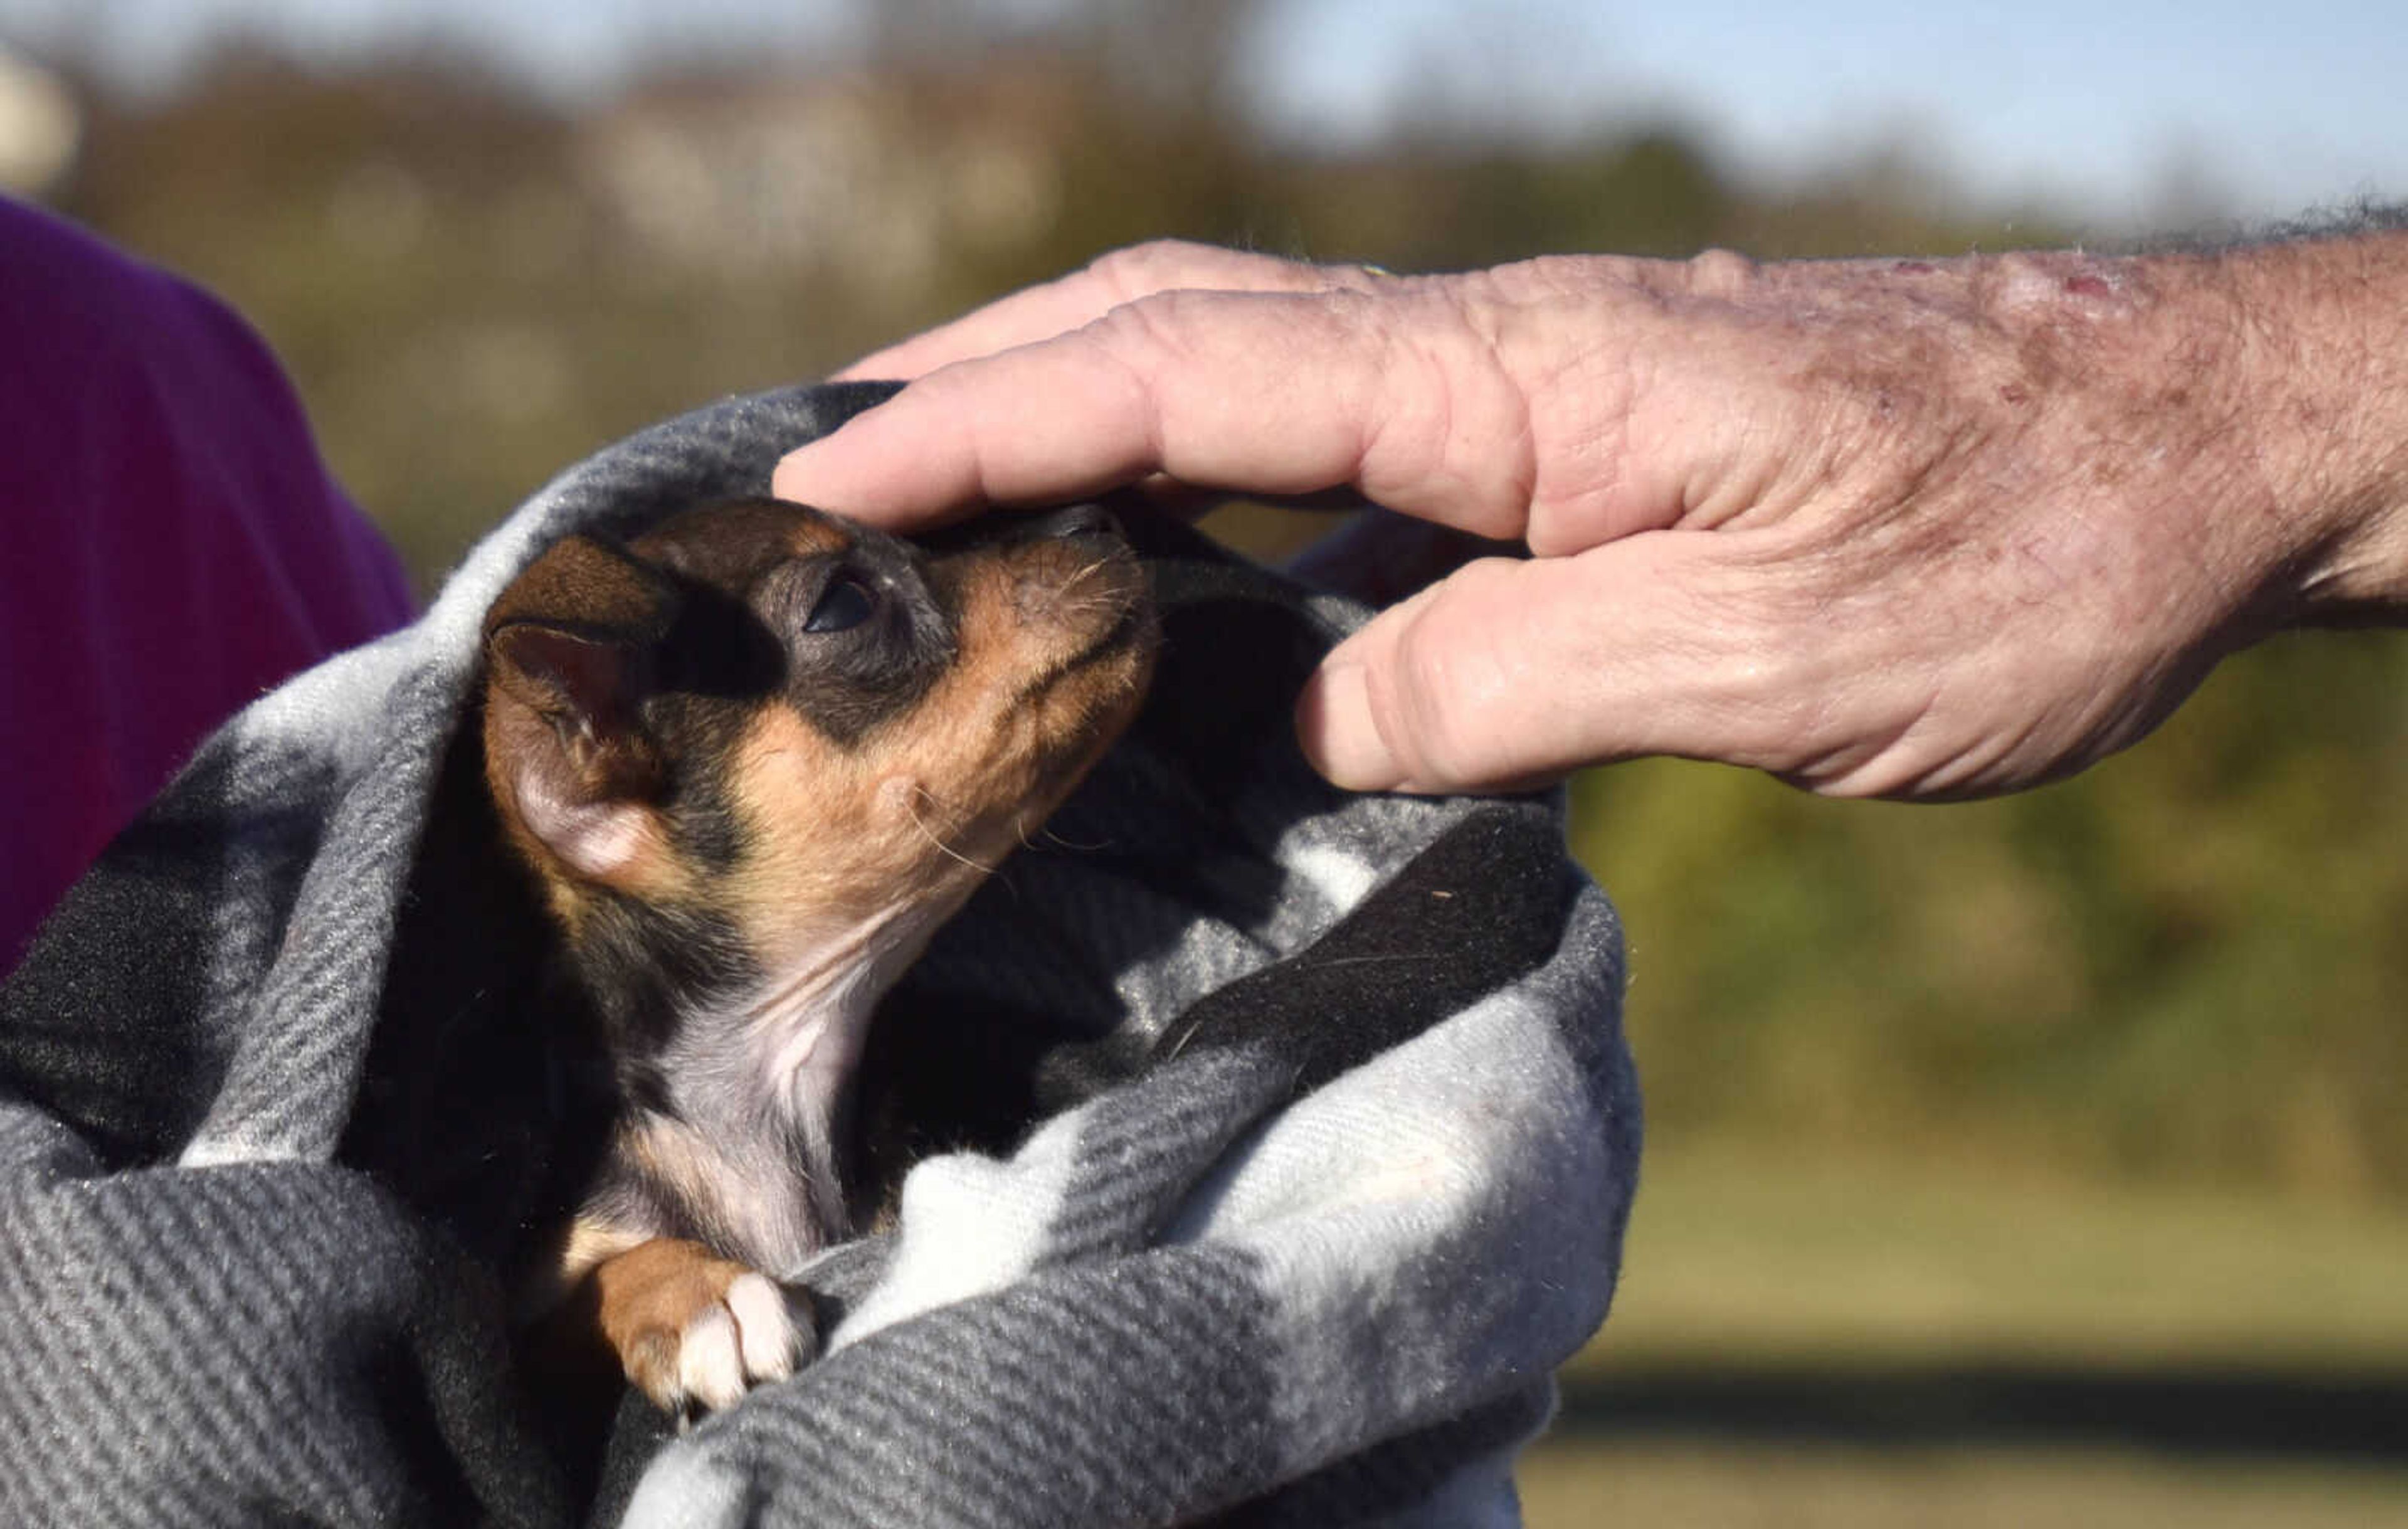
[(1303, 1151)]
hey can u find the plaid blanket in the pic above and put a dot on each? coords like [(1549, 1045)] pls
[(1308, 1153)]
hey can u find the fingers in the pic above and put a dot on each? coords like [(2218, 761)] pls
[(1511, 673), (1069, 302), (1403, 398)]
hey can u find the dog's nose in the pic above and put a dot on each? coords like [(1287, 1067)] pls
[(1076, 520)]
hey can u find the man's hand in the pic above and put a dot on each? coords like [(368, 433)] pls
[(1881, 528)]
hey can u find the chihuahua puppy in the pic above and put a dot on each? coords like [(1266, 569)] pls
[(753, 758)]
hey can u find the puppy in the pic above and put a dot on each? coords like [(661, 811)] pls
[(753, 758)]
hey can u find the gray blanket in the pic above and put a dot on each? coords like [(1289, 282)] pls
[(1307, 1155)]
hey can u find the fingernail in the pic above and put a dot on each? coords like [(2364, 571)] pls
[(1333, 723)]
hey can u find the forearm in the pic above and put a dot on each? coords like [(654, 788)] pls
[(2323, 363), (2280, 368)]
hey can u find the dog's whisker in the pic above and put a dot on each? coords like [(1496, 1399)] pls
[(918, 822)]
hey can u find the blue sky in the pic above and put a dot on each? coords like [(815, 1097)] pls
[(2099, 107)]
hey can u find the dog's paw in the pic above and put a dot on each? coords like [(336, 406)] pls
[(694, 1330)]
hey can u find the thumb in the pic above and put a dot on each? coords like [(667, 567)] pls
[(1510, 673)]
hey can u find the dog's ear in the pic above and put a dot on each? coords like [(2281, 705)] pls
[(571, 656)]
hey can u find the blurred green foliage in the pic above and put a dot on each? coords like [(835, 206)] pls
[(2186, 963)]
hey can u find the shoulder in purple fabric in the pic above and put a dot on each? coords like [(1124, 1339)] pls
[(176, 546)]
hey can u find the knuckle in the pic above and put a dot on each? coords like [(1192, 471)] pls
[(1425, 717), (1134, 270), (1720, 272), (1146, 331)]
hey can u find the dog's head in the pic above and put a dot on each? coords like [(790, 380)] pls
[(791, 724)]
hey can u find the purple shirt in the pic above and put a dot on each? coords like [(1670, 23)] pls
[(170, 545)]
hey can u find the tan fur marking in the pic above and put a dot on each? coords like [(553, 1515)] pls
[(810, 536), (667, 1152), (586, 1243), (925, 806)]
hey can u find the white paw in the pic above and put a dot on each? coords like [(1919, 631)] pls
[(745, 1339), (694, 1330), (748, 1338)]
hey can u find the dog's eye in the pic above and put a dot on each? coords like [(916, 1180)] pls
[(846, 602)]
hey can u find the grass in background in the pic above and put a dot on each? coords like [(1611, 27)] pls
[(1739, 1256), (1708, 1485), (1880, 1298)]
